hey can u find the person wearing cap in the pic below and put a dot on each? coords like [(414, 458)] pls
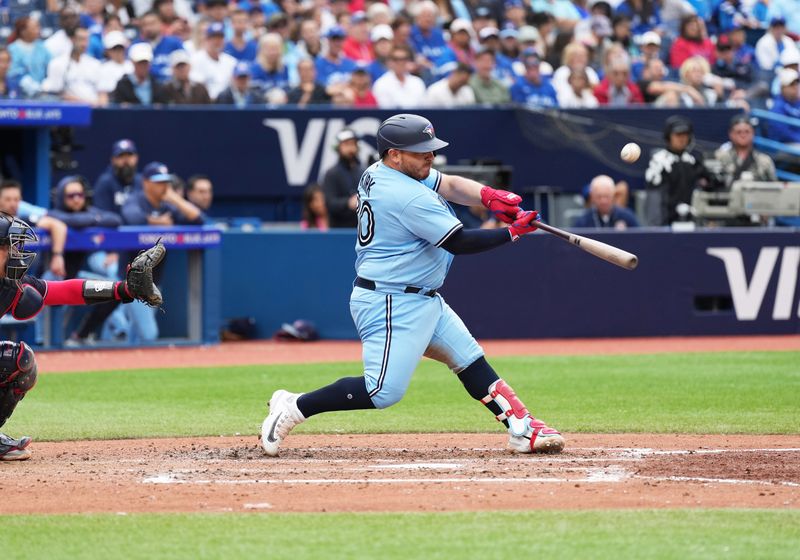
[(743, 53), (509, 42), (649, 48), (210, 66), (532, 88), (772, 44), (788, 11), (398, 88), (269, 70), (333, 67), (787, 104), (528, 37), (139, 87), (116, 64), (789, 59), (75, 76), (461, 36), (504, 70), (486, 88), (727, 67), (452, 91), (692, 42), (180, 89), (240, 93), (241, 46), (427, 39), (357, 45), (616, 89), (157, 203), (381, 37), (340, 183), (151, 32), (308, 91), (113, 187), (739, 159)]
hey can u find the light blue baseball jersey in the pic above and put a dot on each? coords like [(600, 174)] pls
[(402, 226)]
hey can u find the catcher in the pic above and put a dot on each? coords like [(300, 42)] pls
[(24, 297)]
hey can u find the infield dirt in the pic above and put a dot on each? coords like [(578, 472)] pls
[(400, 472)]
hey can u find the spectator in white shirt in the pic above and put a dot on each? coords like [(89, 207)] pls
[(398, 88), (59, 43), (210, 66), (452, 91), (75, 76), (772, 44), (116, 65), (579, 91)]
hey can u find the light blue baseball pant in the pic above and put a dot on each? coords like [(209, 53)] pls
[(397, 329)]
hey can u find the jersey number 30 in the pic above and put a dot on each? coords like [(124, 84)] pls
[(366, 224)]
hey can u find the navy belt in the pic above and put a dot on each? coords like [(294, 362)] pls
[(370, 285)]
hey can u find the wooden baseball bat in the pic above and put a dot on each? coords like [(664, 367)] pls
[(601, 250)]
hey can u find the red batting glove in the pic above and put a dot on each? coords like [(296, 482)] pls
[(504, 205), (525, 223)]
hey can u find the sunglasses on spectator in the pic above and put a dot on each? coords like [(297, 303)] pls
[(75, 195)]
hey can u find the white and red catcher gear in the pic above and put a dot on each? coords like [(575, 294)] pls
[(528, 435)]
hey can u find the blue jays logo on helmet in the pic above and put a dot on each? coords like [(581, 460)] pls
[(429, 131)]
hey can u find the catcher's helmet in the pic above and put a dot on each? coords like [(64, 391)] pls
[(410, 133), (13, 234)]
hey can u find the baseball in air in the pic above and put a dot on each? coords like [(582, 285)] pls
[(630, 152)]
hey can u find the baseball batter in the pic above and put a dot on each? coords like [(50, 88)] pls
[(407, 237), (24, 296)]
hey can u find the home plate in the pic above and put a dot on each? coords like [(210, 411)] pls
[(412, 466)]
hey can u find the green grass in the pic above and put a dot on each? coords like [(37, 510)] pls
[(752, 392), (662, 534)]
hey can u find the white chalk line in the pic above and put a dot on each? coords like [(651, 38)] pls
[(607, 474)]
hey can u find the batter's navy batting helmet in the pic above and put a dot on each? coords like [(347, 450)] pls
[(14, 233), (410, 133)]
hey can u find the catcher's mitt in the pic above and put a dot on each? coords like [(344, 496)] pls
[(140, 275)]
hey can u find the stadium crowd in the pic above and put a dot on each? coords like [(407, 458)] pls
[(404, 54)]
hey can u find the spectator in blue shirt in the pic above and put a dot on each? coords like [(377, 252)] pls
[(787, 104), (29, 56), (645, 15), (150, 32), (532, 88), (269, 70), (426, 37), (120, 179), (333, 67), (241, 46), (603, 213), (157, 203)]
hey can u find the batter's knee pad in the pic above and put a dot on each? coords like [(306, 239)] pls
[(17, 375)]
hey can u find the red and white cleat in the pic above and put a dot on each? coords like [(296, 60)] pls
[(538, 438)]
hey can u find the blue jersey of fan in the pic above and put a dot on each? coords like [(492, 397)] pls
[(402, 226)]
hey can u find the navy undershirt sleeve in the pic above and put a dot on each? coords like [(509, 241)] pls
[(467, 241)]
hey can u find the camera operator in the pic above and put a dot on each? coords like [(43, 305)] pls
[(737, 158)]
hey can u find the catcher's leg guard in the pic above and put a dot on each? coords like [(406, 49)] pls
[(17, 375)]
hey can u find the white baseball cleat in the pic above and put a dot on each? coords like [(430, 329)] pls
[(283, 416), (538, 438)]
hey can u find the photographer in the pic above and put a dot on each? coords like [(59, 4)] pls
[(738, 159)]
